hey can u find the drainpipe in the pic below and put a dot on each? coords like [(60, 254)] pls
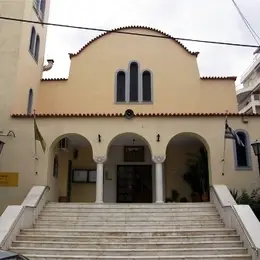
[(49, 65)]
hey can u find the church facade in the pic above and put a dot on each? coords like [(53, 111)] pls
[(133, 123)]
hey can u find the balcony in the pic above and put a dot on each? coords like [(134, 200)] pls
[(251, 67), (250, 104)]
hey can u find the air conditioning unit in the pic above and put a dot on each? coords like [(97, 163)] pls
[(64, 144)]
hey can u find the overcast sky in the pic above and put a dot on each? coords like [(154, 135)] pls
[(215, 20)]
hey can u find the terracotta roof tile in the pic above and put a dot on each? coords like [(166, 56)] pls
[(116, 30), (220, 78), (137, 115), (54, 79)]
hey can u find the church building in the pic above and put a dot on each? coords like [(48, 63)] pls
[(134, 122)]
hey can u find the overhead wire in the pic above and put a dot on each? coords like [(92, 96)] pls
[(127, 33), (250, 28), (257, 39)]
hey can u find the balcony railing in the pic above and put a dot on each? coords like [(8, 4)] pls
[(255, 62)]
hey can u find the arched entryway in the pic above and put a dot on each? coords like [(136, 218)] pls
[(129, 171), (72, 170), (186, 169)]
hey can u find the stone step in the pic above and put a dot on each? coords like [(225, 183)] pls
[(148, 245), (127, 239), (131, 252), (129, 224), (149, 232), (129, 214), (130, 210), (148, 218), (183, 257), (130, 205), (126, 227)]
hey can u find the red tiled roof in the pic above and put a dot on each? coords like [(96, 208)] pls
[(54, 79), (136, 115), (221, 78), (116, 30)]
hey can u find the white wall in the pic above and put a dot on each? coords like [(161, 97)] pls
[(116, 157)]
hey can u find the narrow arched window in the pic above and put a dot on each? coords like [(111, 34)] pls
[(32, 41), (134, 79), (120, 86), (42, 7), (147, 86), (243, 152), (30, 102), (37, 48)]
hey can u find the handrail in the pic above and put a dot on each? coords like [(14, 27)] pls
[(40, 197), (18, 218), (251, 243)]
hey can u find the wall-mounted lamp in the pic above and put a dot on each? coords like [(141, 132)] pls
[(256, 147), (99, 138), (1, 146), (10, 133), (158, 138)]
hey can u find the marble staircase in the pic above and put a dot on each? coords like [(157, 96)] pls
[(130, 231)]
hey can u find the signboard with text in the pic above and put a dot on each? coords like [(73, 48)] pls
[(9, 179)]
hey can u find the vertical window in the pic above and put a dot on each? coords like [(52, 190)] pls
[(30, 102), (242, 152), (32, 40), (147, 86), (134, 82), (120, 87), (42, 7), (37, 47)]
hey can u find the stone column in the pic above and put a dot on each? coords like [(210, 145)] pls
[(99, 182), (158, 160)]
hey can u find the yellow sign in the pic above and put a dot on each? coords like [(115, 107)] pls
[(9, 179)]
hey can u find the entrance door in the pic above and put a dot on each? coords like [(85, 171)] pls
[(134, 184)]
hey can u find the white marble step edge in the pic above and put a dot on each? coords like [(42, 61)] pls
[(183, 257), (130, 237), (133, 231), (157, 250)]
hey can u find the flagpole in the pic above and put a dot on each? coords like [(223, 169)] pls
[(224, 149), (35, 144)]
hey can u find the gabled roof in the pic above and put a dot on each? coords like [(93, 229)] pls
[(117, 30)]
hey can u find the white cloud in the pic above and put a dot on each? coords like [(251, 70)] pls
[(215, 20)]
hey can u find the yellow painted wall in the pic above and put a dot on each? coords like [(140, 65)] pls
[(18, 73), (177, 86)]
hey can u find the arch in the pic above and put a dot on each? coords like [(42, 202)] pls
[(30, 102), (68, 135), (120, 86), (79, 155), (134, 82), (32, 40), (130, 28), (147, 86), (188, 154), (242, 154), (37, 47), (191, 135), (129, 135), (131, 170)]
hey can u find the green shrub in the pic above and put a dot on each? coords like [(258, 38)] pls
[(244, 198)]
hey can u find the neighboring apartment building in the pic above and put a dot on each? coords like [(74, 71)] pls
[(248, 97), (124, 124)]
